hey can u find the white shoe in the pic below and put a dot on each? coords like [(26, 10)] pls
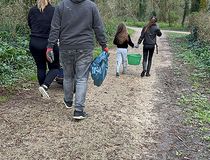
[(43, 91)]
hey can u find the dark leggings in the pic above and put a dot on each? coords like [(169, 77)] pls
[(37, 48), (147, 57)]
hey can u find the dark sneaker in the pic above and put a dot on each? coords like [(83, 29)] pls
[(147, 74), (117, 74), (79, 115), (124, 72), (142, 73), (43, 91), (67, 104)]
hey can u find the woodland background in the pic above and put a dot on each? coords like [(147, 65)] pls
[(17, 64)]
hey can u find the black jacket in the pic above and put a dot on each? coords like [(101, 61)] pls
[(149, 37), (40, 22), (125, 44)]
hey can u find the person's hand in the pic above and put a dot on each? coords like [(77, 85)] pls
[(106, 49), (137, 45), (50, 55)]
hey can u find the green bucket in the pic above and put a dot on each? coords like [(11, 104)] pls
[(134, 59)]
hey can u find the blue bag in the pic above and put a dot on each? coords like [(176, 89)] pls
[(99, 68)]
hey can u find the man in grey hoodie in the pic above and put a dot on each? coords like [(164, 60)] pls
[(74, 24)]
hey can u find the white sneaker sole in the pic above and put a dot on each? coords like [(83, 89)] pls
[(67, 106), (79, 117), (44, 93)]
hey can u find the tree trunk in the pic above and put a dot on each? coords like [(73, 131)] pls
[(142, 9), (186, 11), (195, 5)]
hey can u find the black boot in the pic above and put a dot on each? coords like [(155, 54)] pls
[(143, 73), (147, 74)]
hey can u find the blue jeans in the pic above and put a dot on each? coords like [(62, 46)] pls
[(76, 64)]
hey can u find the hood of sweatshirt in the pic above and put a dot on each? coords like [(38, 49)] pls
[(77, 1)]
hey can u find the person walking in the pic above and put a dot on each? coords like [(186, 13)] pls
[(148, 36), (39, 21), (74, 24), (122, 40)]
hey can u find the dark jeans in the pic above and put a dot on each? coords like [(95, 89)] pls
[(147, 57), (37, 48), (76, 64)]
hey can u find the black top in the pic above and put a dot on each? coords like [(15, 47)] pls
[(40, 22), (149, 37), (125, 44)]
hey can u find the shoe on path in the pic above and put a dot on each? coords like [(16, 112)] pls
[(79, 115), (43, 90)]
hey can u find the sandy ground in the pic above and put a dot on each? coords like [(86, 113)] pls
[(130, 118)]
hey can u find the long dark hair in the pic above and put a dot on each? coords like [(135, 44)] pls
[(121, 34), (152, 21)]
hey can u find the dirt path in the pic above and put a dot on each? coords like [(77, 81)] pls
[(130, 118)]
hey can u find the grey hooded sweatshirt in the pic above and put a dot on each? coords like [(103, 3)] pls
[(74, 24)]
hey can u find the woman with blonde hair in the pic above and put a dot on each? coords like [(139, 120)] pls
[(39, 21), (122, 40)]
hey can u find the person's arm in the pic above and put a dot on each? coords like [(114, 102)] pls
[(55, 28), (157, 31), (141, 36), (29, 18), (115, 40), (98, 28), (130, 41)]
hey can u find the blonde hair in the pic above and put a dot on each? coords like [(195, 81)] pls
[(122, 33), (41, 4)]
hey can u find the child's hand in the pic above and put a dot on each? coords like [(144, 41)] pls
[(137, 45)]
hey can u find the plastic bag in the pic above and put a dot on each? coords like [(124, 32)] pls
[(99, 68)]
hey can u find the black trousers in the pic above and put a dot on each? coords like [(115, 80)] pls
[(148, 51), (38, 49)]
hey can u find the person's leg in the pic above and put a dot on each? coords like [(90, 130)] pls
[(67, 59), (119, 61), (124, 60), (83, 62), (151, 51), (145, 57), (38, 54)]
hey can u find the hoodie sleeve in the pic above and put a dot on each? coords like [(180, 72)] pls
[(98, 28), (55, 28), (141, 36), (130, 41)]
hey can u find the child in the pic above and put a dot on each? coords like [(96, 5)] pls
[(122, 40), (148, 36)]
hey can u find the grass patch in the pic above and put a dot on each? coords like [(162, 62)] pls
[(3, 99), (16, 62), (195, 57), (165, 26)]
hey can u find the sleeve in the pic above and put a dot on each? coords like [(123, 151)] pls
[(115, 40), (141, 36), (29, 18), (55, 28), (158, 32), (130, 41), (98, 28)]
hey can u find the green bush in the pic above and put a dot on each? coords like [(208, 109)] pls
[(16, 62)]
